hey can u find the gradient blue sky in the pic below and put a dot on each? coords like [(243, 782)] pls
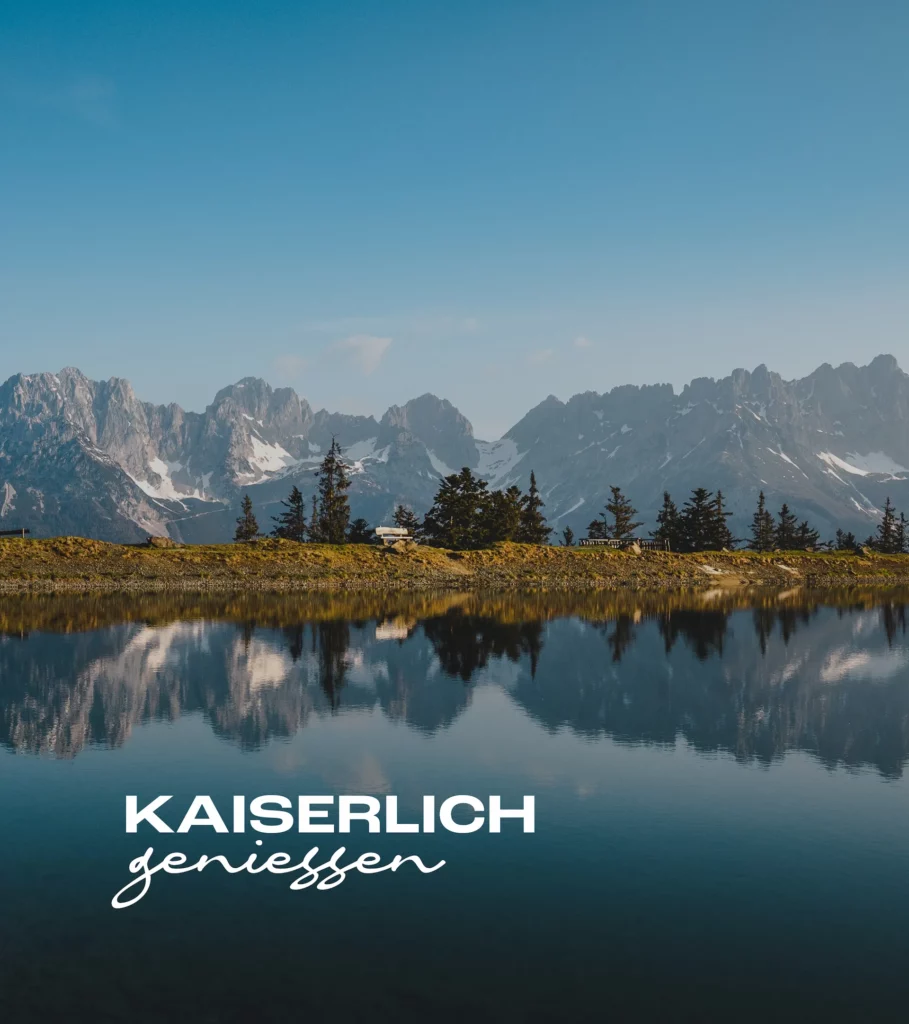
[(493, 201)]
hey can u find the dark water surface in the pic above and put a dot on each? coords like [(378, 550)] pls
[(722, 813)]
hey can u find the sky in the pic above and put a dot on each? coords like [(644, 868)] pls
[(493, 202)]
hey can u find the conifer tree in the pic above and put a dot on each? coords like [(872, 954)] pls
[(845, 541), (502, 515), (698, 520), (806, 538), (669, 524), (291, 523), (456, 519), (901, 536), (720, 534), (533, 528), (359, 532), (314, 535), (623, 512), (596, 529), (567, 537), (406, 519), (886, 539), (763, 528), (786, 535), (247, 527), (334, 508)]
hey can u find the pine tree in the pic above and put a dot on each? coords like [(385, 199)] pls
[(247, 527), (405, 518), (533, 528), (567, 537), (845, 541), (720, 534), (359, 532), (669, 525), (763, 528), (291, 523), (886, 539), (502, 515), (698, 521), (596, 529), (806, 538), (457, 517), (314, 535), (623, 522), (901, 537), (786, 535), (334, 508)]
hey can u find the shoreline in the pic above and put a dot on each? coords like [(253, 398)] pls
[(78, 565)]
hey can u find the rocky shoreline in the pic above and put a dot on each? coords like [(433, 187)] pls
[(69, 564)]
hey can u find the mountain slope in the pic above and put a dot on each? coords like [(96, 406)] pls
[(89, 457), (832, 445)]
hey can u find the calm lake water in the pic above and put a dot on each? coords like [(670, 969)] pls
[(722, 808)]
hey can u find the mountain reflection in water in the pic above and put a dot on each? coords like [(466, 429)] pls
[(752, 674)]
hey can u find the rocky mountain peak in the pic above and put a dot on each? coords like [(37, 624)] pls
[(443, 430), (90, 457)]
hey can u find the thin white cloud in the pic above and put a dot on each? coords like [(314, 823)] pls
[(290, 366), (421, 325), (363, 351), (542, 355), (582, 342)]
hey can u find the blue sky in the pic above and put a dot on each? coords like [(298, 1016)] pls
[(491, 201)]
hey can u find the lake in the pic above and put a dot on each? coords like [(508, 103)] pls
[(719, 778)]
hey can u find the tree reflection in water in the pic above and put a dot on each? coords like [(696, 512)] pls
[(752, 674)]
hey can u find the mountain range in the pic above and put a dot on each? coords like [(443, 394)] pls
[(87, 457)]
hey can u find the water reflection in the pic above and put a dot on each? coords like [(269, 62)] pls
[(755, 675)]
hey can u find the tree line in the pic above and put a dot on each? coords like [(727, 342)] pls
[(329, 520), (466, 514), (701, 525)]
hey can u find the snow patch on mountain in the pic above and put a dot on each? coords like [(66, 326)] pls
[(269, 458), (874, 463), (497, 459), (786, 458), (568, 511), (361, 450), (167, 490), (438, 465), (361, 453), (8, 494)]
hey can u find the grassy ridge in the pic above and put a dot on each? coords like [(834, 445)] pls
[(72, 563)]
